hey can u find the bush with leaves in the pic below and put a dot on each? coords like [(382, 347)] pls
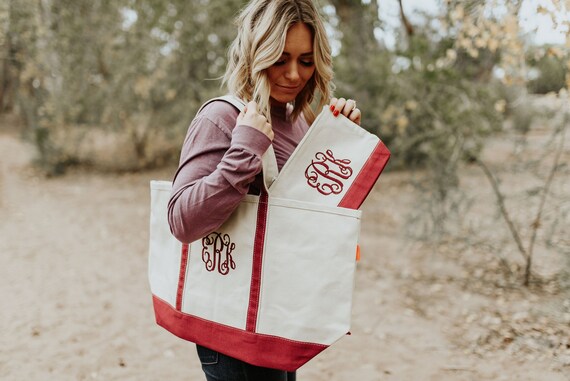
[(114, 84), (550, 69), (432, 106)]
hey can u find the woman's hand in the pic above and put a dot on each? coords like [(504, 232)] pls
[(250, 117), (346, 107)]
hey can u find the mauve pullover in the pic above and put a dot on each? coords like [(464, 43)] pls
[(220, 163)]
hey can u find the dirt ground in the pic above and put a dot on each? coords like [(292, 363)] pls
[(76, 303)]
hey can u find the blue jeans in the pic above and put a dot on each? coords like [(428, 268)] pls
[(219, 367)]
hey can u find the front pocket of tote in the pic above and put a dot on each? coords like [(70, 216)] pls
[(308, 271), (218, 276)]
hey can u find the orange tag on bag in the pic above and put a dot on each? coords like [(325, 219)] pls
[(357, 253)]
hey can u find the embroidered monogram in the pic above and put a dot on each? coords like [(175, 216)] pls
[(326, 173), (216, 247)]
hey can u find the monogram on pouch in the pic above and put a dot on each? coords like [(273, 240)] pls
[(327, 173), (217, 251)]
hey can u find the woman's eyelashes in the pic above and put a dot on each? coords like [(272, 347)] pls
[(302, 62)]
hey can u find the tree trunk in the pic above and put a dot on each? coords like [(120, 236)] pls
[(357, 23), (6, 90), (409, 27)]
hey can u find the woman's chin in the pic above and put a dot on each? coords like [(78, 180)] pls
[(282, 99), (279, 101)]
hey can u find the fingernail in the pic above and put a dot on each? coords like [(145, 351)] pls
[(332, 108), (336, 112)]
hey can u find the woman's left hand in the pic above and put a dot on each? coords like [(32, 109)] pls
[(346, 107)]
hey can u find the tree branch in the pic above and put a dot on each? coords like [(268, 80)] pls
[(409, 27), (502, 206), (536, 223)]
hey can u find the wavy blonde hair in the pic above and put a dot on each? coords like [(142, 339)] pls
[(262, 29)]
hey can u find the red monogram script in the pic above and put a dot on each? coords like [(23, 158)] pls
[(326, 173), (214, 247)]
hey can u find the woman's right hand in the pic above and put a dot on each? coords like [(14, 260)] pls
[(250, 117)]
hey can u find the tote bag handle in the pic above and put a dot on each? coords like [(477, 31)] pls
[(270, 170)]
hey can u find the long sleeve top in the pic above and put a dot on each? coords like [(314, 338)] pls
[(220, 163)]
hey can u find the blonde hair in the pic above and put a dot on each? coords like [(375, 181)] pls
[(262, 29)]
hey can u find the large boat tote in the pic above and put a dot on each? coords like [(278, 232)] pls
[(273, 285)]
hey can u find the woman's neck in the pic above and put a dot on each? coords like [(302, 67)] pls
[(275, 103), (278, 109)]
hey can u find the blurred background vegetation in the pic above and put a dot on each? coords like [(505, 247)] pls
[(114, 84)]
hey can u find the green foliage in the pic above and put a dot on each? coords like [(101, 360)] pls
[(433, 107), (115, 84), (551, 74), (137, 69), (428, 110)]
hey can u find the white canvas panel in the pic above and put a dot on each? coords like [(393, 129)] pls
[(208, 292), (164, 249), (308, 275)]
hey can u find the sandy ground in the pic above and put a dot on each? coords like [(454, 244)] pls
[(76, 302)]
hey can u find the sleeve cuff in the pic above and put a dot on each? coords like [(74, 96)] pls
[(250, 139)]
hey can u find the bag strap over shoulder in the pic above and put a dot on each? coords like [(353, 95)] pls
[(269, 162), (231, 99)]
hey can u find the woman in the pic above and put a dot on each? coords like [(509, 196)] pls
[(279, 61)]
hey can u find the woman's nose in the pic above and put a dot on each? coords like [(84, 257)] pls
[(292, 72)]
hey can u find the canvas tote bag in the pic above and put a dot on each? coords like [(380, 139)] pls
[(272, 287)]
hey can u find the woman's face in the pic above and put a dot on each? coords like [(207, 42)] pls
[(289, 75)]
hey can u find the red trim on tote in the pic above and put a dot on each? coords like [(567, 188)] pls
[(253, 348), (258, 246), (182, 276), (366, 178)]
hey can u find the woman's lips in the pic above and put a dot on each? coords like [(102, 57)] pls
[(289, 88)]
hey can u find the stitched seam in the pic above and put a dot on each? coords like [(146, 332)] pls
[(255, 286), (363, 174), (182, 275)]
